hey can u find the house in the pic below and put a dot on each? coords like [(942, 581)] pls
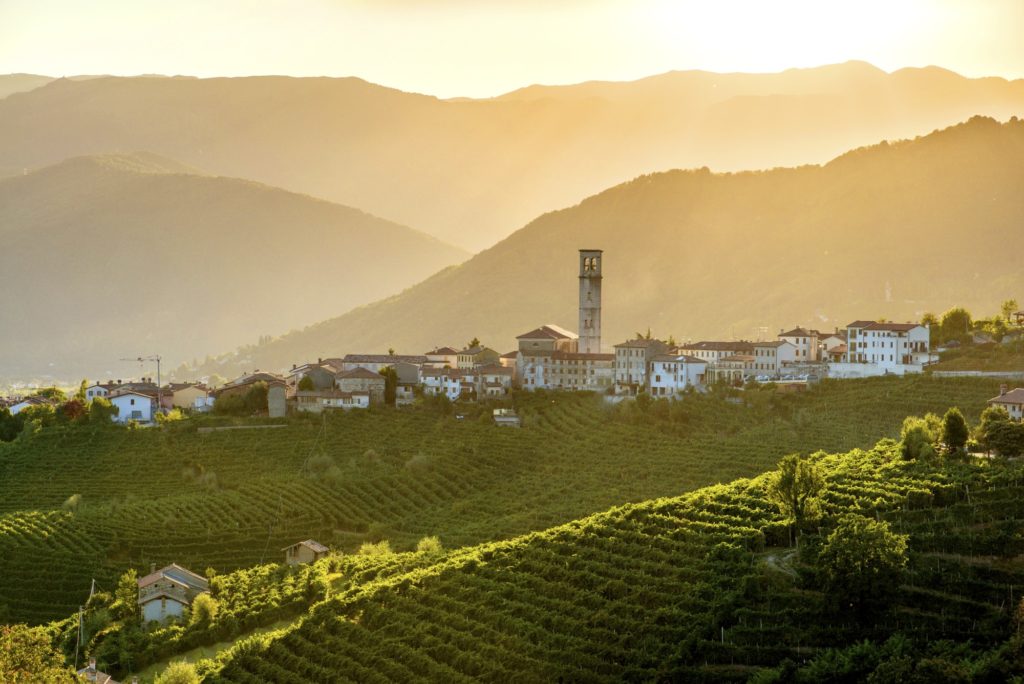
[(131, 405), (89, 673), (507, 417), (374, 362), (1012, 401), (99, 390), (362, 380), (23, 404), (711, 351), (183, 394), (441, 357), (408, 377), (731, 370), (494, 380), (450, 382), (318, 401), (307, 551), (829, 341), (633, 363), (805, 341), (167, 592), (322, 374), (875, 348), (277, 391), (474, 357), (771, 357), (508, 360), (674, 373)]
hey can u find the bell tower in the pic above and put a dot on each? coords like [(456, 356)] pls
[(590, 301)]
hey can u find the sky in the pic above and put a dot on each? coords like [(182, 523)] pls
[(479, 48)]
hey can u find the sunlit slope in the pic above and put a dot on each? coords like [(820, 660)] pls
[(892, 231), (472, 171), (120, 255), (232, 499), (698, 587)]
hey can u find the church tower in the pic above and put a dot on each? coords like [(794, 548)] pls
[(590, 301)]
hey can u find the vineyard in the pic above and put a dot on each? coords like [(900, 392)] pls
[(685, 588), (84, 503)]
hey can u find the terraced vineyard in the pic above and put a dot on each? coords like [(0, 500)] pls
[(231, 499), (672, 589)]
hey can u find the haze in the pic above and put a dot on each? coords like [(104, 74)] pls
[(454, 48)]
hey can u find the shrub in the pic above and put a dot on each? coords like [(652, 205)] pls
[(430, 546), (180, 672)]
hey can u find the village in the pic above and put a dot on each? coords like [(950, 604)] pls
[(548, 357)]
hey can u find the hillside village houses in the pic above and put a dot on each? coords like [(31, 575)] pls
[(1012, 401), (168, 592), (552, 357)]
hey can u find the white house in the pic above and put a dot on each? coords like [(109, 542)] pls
[(98, 390), (712, 351), (318, 401), (633, 363), (674, 373), (771, 357), (441, 357), (132, 405), (805, 341), (20, 406), (167, 592), (451, 382), (1012, 401), (494, 380), (883, 349)]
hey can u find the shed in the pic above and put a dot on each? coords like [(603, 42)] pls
[(307, 551)]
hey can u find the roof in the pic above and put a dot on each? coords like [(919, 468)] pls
[(380, 358), (312, 544), (640, 343), (494, 369), (363, 373), (678, 358), (581, 356), (510, 355), (736, 358), (329, 394), (773, 343), (127, 392), (798, 332), (839, 349), (839, 335), (736, 345), (861, 324), (178, 574), (894, 327), (95, 676), (1014, 396), (252, 378), (548, 332), (478, 349), (442, 351), (179, 386)]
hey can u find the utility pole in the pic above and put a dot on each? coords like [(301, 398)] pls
[(159, 390)]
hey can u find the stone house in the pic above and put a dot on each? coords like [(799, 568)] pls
[(167, 592), (307, 551), (362, 380)]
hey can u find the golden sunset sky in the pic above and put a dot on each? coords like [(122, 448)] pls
[(479, 48)]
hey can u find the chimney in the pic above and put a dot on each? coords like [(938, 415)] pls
[(90, 673), (1002, 389)]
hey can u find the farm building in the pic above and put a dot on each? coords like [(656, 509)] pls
[(166, 592), (307, 551)]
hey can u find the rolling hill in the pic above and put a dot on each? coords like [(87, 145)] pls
[(472, 171), (112, 256), (891, 230)]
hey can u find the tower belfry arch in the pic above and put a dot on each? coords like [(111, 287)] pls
[(590, 301)]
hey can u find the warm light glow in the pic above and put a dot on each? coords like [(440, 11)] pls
[(477, 48)]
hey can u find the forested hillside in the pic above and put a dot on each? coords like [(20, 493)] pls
[(893, 230), (472, 171), (121, 255)]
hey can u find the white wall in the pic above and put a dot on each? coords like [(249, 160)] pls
[(132, 407)]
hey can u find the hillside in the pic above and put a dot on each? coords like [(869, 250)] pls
[(19, 83), (231, 499), (472, 171), (121, 255), (891, 230)]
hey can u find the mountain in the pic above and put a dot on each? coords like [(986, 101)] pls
[(471, 171), (19, 83), (112, 256), (891, 230)]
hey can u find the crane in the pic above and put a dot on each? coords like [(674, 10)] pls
[(159, 394)]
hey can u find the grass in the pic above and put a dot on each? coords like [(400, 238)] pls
[(232, 499), (983, 357)]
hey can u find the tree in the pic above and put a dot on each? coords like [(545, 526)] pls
[(26, 655), (954, 431), (475, 342), (52, 393), (955, 323), (919, 437), (390, 384), (80, 394), (934, 331), (430, 546), (10, 425), (794, 487), (1008, 308), (180, 672), (204, 610), (126, 595), (102, 411), (998, 433), (306, 384), (861, 564), (72, 409)]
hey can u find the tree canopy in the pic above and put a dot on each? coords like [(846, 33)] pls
[(861, 564)]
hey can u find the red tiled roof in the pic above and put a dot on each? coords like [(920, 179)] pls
[(548, 332), (1014, 396)]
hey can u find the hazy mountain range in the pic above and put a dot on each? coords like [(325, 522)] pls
[(891, 230), (121, 255), (472, 171)]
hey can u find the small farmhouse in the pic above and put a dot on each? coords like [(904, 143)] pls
[(167, 592), (307, 551), (362, 380), (1012, 401), (133, 405), (91, 674)]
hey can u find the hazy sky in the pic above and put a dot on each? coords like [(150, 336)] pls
[(484, 47)]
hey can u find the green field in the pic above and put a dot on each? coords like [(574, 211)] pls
[(231, 499)]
